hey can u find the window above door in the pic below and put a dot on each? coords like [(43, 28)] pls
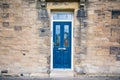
[(62, 16)]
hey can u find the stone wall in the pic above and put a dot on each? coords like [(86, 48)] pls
[(23, 51), (25, 38), (103, 39)]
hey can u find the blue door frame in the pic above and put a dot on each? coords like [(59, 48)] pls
[(62, 44)]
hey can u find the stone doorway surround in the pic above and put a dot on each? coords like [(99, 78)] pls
[(57, 7)]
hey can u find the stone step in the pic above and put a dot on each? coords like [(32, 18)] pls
[(61, 73)]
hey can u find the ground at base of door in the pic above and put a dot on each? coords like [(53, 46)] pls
[(76, 78)]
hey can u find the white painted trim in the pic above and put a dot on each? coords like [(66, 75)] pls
[(52, 40), (72, 42)]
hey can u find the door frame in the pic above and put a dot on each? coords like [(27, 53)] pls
[(51, 65)]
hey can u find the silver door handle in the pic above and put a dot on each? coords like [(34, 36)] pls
[(61, 48)]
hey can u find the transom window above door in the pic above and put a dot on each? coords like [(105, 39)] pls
[(62, 16)]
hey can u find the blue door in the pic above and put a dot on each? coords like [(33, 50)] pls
[(62, 45)]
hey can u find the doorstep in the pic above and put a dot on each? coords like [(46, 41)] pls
[(61, 73)]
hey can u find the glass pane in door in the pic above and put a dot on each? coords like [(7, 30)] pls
[(66, 34), (57, 35)]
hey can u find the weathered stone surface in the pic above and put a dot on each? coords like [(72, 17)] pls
[(25, 38), (5, 5), (39, 75), (114, 50), (5, 15), (17, 28), (80, 70), (4, 71), (118, 57), (5, 24)]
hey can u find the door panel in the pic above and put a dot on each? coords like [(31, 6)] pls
[(62, 44)]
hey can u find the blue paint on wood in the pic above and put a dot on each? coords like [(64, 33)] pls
[(61, 52)]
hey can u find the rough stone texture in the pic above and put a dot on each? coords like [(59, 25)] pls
[(23, 51), (102, 35), (25, 39)]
